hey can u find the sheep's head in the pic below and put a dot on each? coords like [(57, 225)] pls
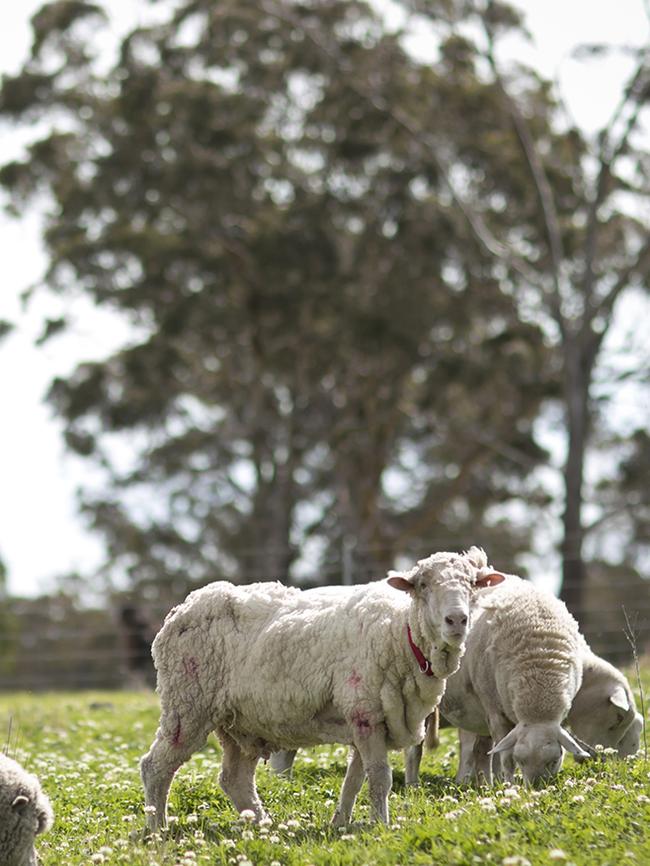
[(604, 714), (25, 812), (538, 749), (444, 586)]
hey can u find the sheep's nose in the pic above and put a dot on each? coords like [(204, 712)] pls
[(459, 621)]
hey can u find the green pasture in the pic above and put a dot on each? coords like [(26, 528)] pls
[(85, 748)]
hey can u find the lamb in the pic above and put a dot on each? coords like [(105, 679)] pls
[(520, 675), (269, 667), (602, 713), (25, 811)]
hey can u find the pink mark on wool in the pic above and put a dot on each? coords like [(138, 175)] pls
[(361, 723), (176, 736), (191, 667), (354, 679)]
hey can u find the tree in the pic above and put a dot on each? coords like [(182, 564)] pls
[(320, 350), (567, 237)]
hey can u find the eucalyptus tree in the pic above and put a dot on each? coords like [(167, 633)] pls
[(320, 349)]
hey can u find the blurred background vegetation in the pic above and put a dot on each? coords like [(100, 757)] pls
[(367, 295)]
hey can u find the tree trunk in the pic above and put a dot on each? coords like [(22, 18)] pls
[(576, 376)]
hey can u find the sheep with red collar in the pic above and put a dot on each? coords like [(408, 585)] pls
[(269, 667), (25, 811)]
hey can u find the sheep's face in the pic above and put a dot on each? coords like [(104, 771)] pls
[(444, 585), (21, 825), (630, 742), (538, 749), (607, 718), (538, 752)]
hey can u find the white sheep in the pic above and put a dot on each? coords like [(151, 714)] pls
[(269, 667), (520, 675), (602, 713), (25, 811)]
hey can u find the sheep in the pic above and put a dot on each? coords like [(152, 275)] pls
[(521, 673), (269, 667), (25, 811), (602, 713)]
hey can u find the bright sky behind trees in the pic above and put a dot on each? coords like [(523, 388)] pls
[(40, 535)]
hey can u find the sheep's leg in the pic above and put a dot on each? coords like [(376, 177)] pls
[(482, 760), (504, 769), (175, 742), (237, 777), (351, 786), (282, 762), (371, 744), (412, 759), (466, 767)]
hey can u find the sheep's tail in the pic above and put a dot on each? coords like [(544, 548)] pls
[(432, 735)]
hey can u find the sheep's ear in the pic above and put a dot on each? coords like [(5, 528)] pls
[(571, 745), (398, 581), (508, 742), (19, 804), (589, 750), (491, 579), (620, 699)]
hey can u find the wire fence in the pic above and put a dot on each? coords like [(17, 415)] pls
[(44, 649)]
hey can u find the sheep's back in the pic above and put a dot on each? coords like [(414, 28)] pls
[(534, 644)]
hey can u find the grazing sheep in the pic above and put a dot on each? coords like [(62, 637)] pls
[(270, 667), (520, 675), (602, 713), (25, 811)]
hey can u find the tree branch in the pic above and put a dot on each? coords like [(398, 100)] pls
[(478, 227), (607, 156), (540, 178)]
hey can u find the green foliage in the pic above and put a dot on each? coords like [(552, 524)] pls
[(315, 334), (343, 275), (85, 748)]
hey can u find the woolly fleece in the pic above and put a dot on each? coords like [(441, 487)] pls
[(25, 811)]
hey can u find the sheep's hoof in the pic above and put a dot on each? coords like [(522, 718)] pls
[(339, 820)]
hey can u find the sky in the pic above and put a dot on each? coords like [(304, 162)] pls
[(41, 534)]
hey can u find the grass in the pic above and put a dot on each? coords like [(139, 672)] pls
[(85, 748)]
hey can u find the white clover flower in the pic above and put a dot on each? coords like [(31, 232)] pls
[(515, 860), (247, 835), (454, 814), (346, 837), (578, 798), (247, 815), (266, 822), (642, 798), (274, 839), (557, 854), (228, 843), (293, 823), (510, 792), (192, 819)]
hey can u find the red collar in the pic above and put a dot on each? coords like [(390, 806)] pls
[(423, 662)]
